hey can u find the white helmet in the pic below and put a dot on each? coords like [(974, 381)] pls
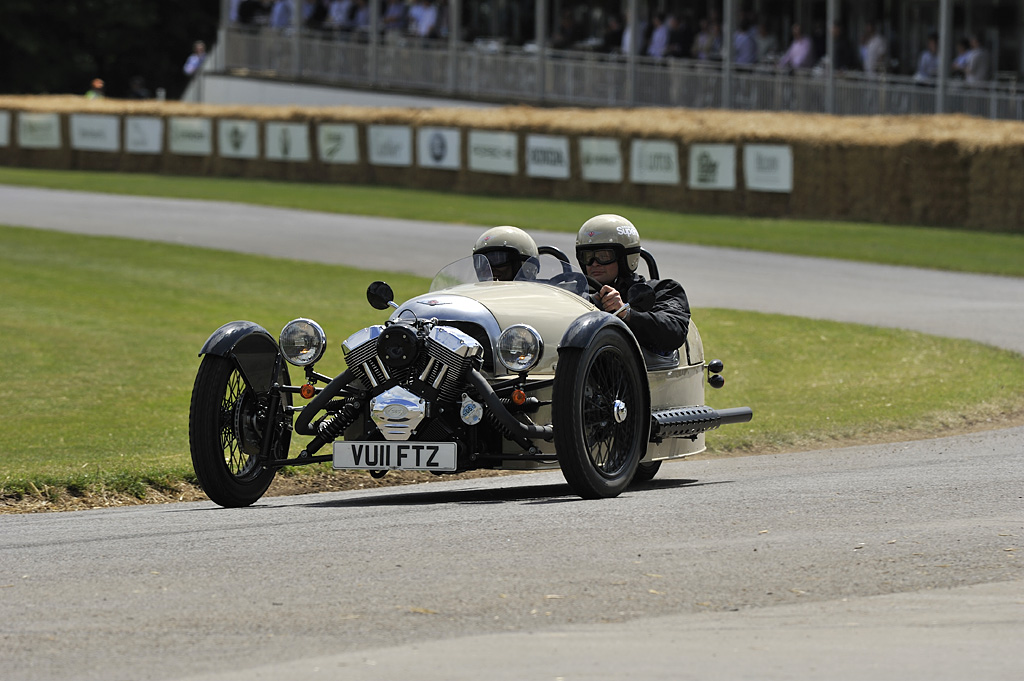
[(506, 245), (609, 231)]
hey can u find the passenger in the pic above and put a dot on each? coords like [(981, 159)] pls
[(506, 249), (608, 250)]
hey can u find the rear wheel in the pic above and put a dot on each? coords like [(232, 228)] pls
[(600, 415), (646, 471), (227, 424)]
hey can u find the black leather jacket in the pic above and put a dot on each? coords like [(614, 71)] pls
[(663, 328)]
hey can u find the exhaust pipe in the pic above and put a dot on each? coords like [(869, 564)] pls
[(692, 421)]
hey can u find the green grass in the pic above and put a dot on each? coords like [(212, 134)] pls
[(102, 335), (959, 250)]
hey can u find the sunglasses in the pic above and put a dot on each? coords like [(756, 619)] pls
[(501, 258), (603, 256)]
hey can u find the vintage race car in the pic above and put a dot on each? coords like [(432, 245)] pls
[(474, 374)]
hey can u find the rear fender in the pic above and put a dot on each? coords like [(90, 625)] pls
[(251, 347)]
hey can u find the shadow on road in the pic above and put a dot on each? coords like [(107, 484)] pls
[(538, 494)]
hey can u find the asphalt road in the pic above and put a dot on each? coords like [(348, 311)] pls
[(886, 562)]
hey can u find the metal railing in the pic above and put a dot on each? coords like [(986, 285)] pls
[(571, 78)]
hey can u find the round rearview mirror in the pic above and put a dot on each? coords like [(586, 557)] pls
[(380, 295)]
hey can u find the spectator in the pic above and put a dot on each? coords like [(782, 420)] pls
[(658, 46), (339, 15), (963, 55), (800, 54), (361, 17), (978, 62), (680, 36), (612, 39), (423, 19), (567, 33), (744, 45), (708, 43), (137, 88), (97, 90), (767, 45), (314, 12), (254, 12), (928, 62), (396, 17), (281, 15), (845, 54), (196, 59), (873, 51)]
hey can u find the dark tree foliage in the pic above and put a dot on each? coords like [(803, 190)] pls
[(59, 46)]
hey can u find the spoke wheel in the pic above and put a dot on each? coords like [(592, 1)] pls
[(601, 415), (227, 422)]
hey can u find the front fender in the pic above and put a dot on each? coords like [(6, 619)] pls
[(251, 347), (582, 330)]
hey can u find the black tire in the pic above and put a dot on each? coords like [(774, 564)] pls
[(225, 432), (645, 472), (600, 414)]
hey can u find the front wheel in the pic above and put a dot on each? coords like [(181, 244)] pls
[(227, 424), (600, 414)]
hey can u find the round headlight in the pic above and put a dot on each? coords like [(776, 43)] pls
[(302, 342), (520, 348)]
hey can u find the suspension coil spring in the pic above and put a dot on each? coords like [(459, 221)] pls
[(330, 428), (496, 422)]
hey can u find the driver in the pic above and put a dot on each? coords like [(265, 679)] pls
[(608, 250), (506, 249)]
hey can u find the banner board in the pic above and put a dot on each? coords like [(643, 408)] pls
[(768, 167), (92, 132), (390, 145), (547, 156), (38, 130), (654, 162), (144, 134), (337, 142), (5, 128), (600, 159), (237, 138), (493, 152), (286, 141), (713, 166), (190, 136), (439, 148)]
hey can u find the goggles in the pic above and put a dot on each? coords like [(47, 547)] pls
[(501, 257), (602, 256)]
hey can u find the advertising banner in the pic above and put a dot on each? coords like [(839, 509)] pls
[(5, 128), (92, 132), (338, 142), (601, 159), (390, 145), (547, 156), (190, 136), (654, 162), (39, 130), (238, 138), (768, 167), (713, 166), (144, 135), (286, 142), (493, 152), (439, 148)]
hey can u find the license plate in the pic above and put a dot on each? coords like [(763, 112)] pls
[(406, 456)]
